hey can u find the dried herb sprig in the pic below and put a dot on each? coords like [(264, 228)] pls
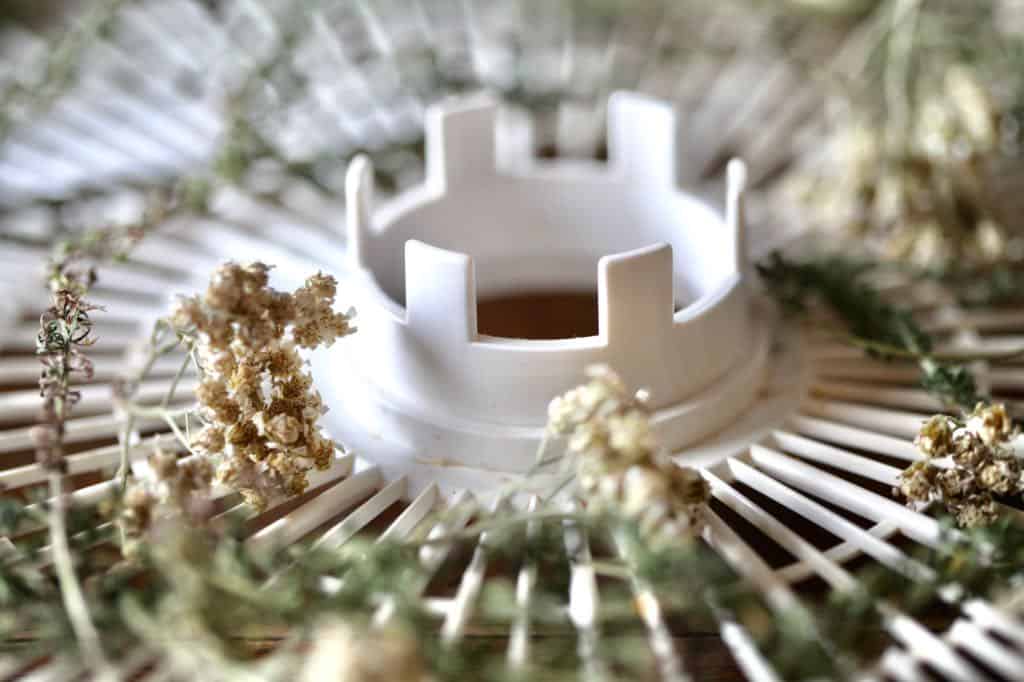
[(65, 331), (882, 329)]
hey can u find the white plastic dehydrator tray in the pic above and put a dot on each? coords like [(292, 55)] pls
[(799, 438)]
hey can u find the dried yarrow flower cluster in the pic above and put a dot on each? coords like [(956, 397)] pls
[(934, 202), (259, 404), (619, 466), (177, 489), (967, 463)]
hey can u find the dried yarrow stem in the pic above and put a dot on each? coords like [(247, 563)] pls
[(260, 410), (967, 463), (619, 466), (65, 331)]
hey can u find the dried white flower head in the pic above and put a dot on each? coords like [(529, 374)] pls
[(342, 652), (980, 466), (619, 466), (260, 408), (953, 151)]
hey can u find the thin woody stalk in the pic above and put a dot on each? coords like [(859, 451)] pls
[(65, 327)]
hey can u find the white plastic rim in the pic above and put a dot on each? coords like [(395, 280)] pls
[(675, 312)]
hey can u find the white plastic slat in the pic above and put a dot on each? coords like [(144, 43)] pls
[(893, 422), (780, 533), (990, 618), (76, 430), (519, 637), (980, 320), (972, 638), (304, 519), (747, 562), (25, 370), (463, 506), (901, 666), (915, 637), (23, 405), (412, 515), (905, 398), (584, 603), (837, 458), (851, 436), (670, 667), (862, 502), (88, 460), (469, 588), (925, 646), (840, 527), (340, 533), (838, 553), (744, 651)]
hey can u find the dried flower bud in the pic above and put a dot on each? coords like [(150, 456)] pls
[(630, 435), (955, 483), (1002, 476), (187, 313), (688, 485), (284, 429), (979, 510), (936, 436), (641, 487), (210, 439), (968, 449), (991, 423), (164, 464), (917, 482)]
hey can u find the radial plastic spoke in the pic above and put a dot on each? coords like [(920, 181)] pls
[(584, 602), (893, 422), (341, 532), (851, 436), (838, 458), (862, 502), (519, 637), (902, 398), (314, 513), (469, 586), (994, 654), (412, 515), (463, 506), (901, 666), (22, 406), (816, 513), (780, 533)]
